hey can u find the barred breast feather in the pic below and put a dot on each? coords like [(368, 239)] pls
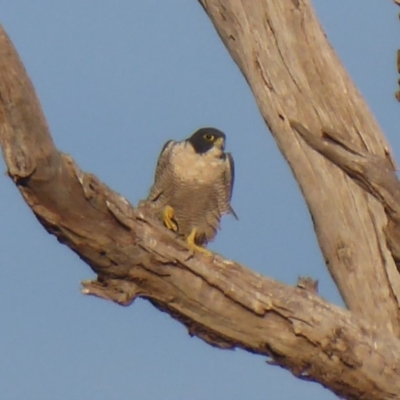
[(197, 186)]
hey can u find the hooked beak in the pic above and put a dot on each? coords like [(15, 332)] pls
[(220, 143)]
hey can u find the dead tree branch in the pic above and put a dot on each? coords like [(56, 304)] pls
[(375, 174), (218, 300), (294, 73)]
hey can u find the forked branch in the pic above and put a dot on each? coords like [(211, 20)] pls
[(295, 74), (218, 300), (375, 174)]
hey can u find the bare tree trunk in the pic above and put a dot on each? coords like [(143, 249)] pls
[(295, 76)]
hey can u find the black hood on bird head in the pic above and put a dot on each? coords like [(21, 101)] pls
[(205, 139)]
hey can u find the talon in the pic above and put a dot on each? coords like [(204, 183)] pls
[(190, 240), (168, 218)]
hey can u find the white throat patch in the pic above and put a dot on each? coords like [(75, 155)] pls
[(203, 168)]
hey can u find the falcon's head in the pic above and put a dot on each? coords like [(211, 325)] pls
[(206, 139)]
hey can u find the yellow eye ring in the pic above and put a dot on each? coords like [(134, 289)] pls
[(209, 137)]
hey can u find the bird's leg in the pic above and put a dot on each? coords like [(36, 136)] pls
[(168, 218), (191, 242)]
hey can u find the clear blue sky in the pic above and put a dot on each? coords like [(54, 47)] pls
[(116, 80)]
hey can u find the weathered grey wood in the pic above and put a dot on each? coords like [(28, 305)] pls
[(373, 173), (295, 75), (218, 300)]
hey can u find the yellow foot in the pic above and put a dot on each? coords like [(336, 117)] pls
[(190, 240), (168, 218)]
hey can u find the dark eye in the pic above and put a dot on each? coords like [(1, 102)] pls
[(209, 137)]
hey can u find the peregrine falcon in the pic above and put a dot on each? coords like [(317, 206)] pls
[(193, 186)]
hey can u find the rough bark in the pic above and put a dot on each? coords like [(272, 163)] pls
[(374, 174), (294, 74), (218, 300)]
